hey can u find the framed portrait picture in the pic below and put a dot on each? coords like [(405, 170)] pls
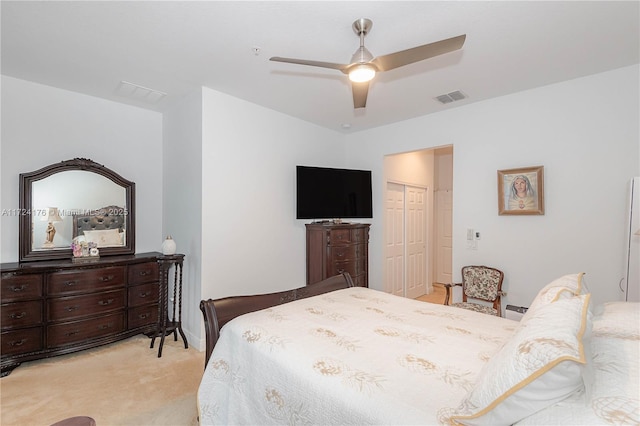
[(521, 191)]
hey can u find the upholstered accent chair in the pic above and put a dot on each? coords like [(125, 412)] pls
[(479, 283)]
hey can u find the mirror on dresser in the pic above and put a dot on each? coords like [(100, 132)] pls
[(75, 200)]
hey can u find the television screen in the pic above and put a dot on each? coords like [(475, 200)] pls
[(326, 193)]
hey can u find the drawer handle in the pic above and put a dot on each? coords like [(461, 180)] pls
[(144, 316), (72, 333), (340, 271), (105, 326), (72, 308), (105, 302), (21, 288), (69, 283), (143, 273), (18, 342), (18, 316), (340, 254), (145, 294), (106, 278)]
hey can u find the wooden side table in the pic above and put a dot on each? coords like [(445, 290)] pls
[(165, 324)]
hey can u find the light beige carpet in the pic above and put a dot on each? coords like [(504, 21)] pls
[(124, 383)]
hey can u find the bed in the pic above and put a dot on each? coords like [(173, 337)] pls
[(338, 354), (104, 226)]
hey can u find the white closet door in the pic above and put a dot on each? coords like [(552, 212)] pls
[(444, 236), (394, 228), (406, 234), (416, 241)]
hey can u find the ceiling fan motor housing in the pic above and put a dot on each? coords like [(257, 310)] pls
[(361, 56), (362, 26)]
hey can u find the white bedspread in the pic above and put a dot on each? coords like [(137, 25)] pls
[(353, 356)]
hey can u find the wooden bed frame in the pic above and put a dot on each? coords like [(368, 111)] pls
[(218, 312)]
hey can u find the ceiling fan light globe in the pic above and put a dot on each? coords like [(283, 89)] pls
[(362, 73)]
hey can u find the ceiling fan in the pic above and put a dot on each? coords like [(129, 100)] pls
[(363, 66)]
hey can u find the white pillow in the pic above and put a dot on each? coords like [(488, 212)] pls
[(617, 320), (563, 287), (616, 360), (104, 237), (539, 366)]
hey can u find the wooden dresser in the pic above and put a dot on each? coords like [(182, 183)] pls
[(336, 248), (57, 307)]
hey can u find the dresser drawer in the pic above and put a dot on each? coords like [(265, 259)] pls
[(339, 237), (21, 314), (348, 252), (360, 235), (143, 294), (67, 333), (143, 273), (20, 287), (87, 280), (353, 267), (65, 308), (21, 341), (143, 315), (345, 236)]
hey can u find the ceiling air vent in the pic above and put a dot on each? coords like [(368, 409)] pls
[(141, 93), (451, 97)]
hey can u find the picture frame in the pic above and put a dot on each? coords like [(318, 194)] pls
[(521, 191)]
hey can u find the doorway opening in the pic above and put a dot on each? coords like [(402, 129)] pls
[(418, 221)]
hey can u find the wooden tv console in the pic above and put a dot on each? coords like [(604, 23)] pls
[(53, 308)]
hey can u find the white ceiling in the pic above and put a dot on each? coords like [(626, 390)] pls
[(177, 47)]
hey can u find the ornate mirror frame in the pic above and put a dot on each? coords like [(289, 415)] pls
[(25, 239)]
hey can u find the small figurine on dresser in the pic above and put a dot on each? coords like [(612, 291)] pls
[(84, 251)]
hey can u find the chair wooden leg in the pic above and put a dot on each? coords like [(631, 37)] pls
[(448, 295)]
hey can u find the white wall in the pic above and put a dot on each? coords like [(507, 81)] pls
[(230, 196), (42, 125), (412, 168), (584, 132), (182, 206), (443, 165), (251, 241)]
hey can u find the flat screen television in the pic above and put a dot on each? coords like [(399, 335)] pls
[(327, 193)]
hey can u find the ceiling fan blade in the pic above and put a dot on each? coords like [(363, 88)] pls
[(415, 54), (360, 92), (339, 67)]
